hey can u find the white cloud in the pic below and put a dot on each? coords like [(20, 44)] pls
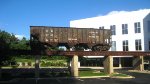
[(123, 12), (117, 12), (19, 36)]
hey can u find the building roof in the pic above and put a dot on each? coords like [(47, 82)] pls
[(112, 17)]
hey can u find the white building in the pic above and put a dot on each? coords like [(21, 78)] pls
[(130, 29)]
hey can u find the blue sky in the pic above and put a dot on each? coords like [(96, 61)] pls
[(16, 16)]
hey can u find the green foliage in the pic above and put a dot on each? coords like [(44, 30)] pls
[(53, 63), (5, 41), (24, 60), (55, 49), (9, 42), (22, 44), (56, 61), (54, 57), (28, 57)]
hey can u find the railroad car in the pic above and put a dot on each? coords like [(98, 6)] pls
[(94, 39)]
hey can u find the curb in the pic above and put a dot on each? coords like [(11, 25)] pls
[(93, 77), (122, 77)]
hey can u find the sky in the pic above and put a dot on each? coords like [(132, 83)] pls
[(16, 16)]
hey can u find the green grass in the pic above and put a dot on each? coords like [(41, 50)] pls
[(91, 73), (84, 73), (24, 60), (19, 59), (119, 75)]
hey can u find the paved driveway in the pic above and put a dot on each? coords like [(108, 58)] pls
[(140, 78)]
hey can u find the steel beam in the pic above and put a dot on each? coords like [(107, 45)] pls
[(81, 53), (99, 53)]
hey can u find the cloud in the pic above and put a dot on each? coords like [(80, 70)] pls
[(19, 36), (123, 12), (113, 13), (116, 12)]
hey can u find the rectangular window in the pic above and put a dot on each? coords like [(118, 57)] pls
[(148, 24), (137, 27), (113, 47), (138, 45), (113, 29), (125, 45), (102, 27), (149, 45), (124, 28)]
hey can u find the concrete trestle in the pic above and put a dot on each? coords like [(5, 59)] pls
[(108, 59), (138, 63)]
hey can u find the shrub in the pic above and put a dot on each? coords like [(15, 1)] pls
[(29, 63)]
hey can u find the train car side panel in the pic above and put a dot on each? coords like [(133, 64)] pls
[(80, 35), (95, 39)]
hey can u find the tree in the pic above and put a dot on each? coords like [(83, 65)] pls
[(22, 44), (5, 41), (9, 42)]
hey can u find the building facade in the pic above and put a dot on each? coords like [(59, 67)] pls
[(130, 31)]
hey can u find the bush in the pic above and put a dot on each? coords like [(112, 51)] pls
[(56, 64), (23, 64), (44, 57), (29, 63)]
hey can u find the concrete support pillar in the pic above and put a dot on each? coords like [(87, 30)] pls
[(0, 72), (108, 64), (37, 67), (120, 66), (138, 63), (74, 66)]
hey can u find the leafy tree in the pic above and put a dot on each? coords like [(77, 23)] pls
[(5, 41), (22, 44), (9, 42)]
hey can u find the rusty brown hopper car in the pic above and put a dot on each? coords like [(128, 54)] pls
[(95, 39)]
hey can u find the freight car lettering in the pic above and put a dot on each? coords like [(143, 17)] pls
[(94, 39)]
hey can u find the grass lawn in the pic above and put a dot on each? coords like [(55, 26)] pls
[(24, 60), (119, 75), (91, 73), (84, 73)]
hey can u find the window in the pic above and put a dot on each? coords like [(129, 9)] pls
[(125, 45), (113, 47), (124, 29), (149, 45), (148, 26), (138, 44), (113, 29), (137, 27), (102, 27)]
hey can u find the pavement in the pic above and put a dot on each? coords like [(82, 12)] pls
[(140, 78)]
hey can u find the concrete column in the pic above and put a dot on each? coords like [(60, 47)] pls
[(74, 66), (138, 63), (37, 61), (108, 64), (0, 72), (120, 66)]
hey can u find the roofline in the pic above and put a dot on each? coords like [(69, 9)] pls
[(65, 27)]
